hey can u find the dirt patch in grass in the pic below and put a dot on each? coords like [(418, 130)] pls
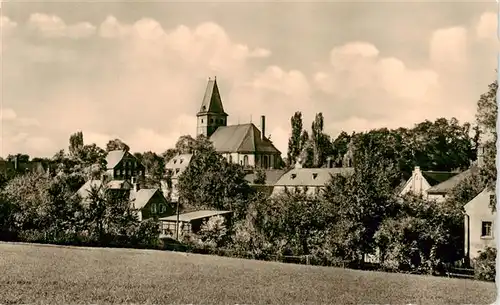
[(62, 275)]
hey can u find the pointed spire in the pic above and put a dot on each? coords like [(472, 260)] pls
[(212, 102)]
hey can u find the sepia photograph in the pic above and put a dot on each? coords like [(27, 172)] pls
[(248, 152)]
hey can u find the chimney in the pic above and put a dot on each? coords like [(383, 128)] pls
[(298, 164), (263, 127)]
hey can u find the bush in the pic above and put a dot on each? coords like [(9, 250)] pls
[(485, 265)]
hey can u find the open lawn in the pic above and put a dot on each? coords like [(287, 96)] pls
[(62, 275)]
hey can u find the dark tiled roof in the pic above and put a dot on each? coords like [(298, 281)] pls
[(311, 176), (187, 217), (435, 178), (212, 102), (272, 176), (447, 185), (244, 138)]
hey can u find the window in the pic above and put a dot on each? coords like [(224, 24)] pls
[(153, 208), (230, 159), (177, 170), (202, 120), (245, 160), (180, 161), (293, 176), (140, 173), (175, 161), (315, 175), (486, 229), (162, 208)]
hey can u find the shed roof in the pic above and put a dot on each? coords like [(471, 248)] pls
[(187, 217), (244, 138), (311, 176)]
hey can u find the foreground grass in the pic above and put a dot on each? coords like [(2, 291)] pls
[(62, 275)]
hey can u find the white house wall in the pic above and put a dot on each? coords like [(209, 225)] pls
[(478, 210)]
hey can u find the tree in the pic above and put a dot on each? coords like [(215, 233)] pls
[(213, 233), (358, 203), (322, 146), (75, 143), (487, 113), (117, 144), (185, 144), (295, 142), (340, 147), (260, 177), (210, 180), (155, 167), (421, 236)]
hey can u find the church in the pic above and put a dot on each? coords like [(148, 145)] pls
[(244, 144)]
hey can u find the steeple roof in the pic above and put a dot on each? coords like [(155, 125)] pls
[(212, 102)]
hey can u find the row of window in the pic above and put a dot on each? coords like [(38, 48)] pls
[(129, 172), (297, 189), (217, 121), (266, 161), (158, 208), (129, 164)]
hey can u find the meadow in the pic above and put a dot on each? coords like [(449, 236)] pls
[(44, 274)]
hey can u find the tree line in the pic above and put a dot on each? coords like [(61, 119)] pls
[(352, 217)]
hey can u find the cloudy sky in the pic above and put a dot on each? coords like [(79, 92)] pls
[(138, 71)]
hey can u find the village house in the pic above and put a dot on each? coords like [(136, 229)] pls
[(122, 165), (148, 203), (479, 224), (175, 167), (421, 182), (243, 144), (308, 180), (436, 186)]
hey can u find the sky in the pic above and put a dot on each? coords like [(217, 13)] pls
[(138, 71)]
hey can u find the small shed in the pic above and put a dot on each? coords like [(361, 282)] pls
[(190, 222)]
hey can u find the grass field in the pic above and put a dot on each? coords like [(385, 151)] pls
[(63, 275)]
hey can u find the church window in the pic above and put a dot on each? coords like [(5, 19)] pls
[(230, 159), (202, 120), (245, 160)]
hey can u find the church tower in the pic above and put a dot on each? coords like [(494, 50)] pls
[(211, 115)]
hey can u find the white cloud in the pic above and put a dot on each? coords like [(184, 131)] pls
[(52, 26), (449, 46), (143, 82), (7, 25), (487, 27)]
